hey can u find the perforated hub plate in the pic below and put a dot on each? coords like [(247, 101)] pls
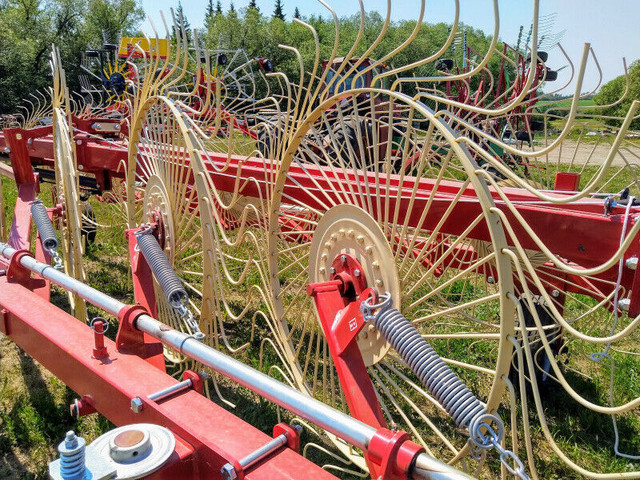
[(156, 201), (347, 229), (136, 450)]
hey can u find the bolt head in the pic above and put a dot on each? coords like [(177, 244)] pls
[(136, 405), (228, 472), (491, 280), (555, 293), (357, 273), (332, 270), (343, 258)]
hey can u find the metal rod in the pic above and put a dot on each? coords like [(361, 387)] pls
[(165, 392), (263, 451), (340, 424)]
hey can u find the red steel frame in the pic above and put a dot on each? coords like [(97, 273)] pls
[(207, 436)]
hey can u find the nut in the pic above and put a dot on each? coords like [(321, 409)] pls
[(136, 405), (228, 472)]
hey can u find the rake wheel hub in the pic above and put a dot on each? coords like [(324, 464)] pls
[(349, 245), (157, 212)]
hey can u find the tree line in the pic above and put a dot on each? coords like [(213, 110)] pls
[(29, 27)]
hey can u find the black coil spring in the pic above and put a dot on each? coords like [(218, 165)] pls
[(44, 225), (169, 282), (441, 382)]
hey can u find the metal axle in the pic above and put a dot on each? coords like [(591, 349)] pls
[(340, 424)]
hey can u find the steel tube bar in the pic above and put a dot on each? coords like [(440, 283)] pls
[(349, 429), (91, 295)]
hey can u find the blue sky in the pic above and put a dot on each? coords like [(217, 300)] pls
[(612, 27)]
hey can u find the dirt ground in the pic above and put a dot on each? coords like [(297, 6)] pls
[(590, 153)]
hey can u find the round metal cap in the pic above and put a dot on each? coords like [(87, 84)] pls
[(136, 450)]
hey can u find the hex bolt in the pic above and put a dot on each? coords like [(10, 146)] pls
[(632, 263), (228, 472), (343, 258), (136, 405), (332, 270), (555, 293), (624, 304), (356, 272), (491, 280)]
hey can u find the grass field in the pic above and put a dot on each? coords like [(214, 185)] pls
[(34, 405)]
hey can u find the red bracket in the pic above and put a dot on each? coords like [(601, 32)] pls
[(16, 273), (142, 275), (391, 454), (341, 326), (196, 380), (293, 437), (132, 341)]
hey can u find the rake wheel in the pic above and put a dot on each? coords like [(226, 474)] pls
[(160, 194), (67, 188), (376, 208)]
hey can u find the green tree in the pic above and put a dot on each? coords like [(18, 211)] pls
[(218, 8), (296, 13), (210, 12), (109, 18), (277, 12), (252, 4), (186, 26), (612, 91)]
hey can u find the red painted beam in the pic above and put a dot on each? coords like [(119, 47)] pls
[(64, 346)]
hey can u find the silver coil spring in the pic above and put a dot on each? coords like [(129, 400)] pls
[(437, 377), (169, 282), (44, 225)]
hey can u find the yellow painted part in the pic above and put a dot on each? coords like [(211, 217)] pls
[(153, 46)]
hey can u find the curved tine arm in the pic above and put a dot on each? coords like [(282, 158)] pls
[(510, 88), (307, 101), (485, 60), (372, 47), (425, 61), (334, 52), (627, 86), (526, 88), (573, 71), (300, 92), (396, 50), (349, 54), (181, 57)]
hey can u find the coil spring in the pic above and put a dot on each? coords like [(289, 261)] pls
[(44, 225), (72, 458), (441, 382), (169, 282)]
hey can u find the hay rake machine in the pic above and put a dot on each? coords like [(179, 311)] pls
[(362, 240)]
